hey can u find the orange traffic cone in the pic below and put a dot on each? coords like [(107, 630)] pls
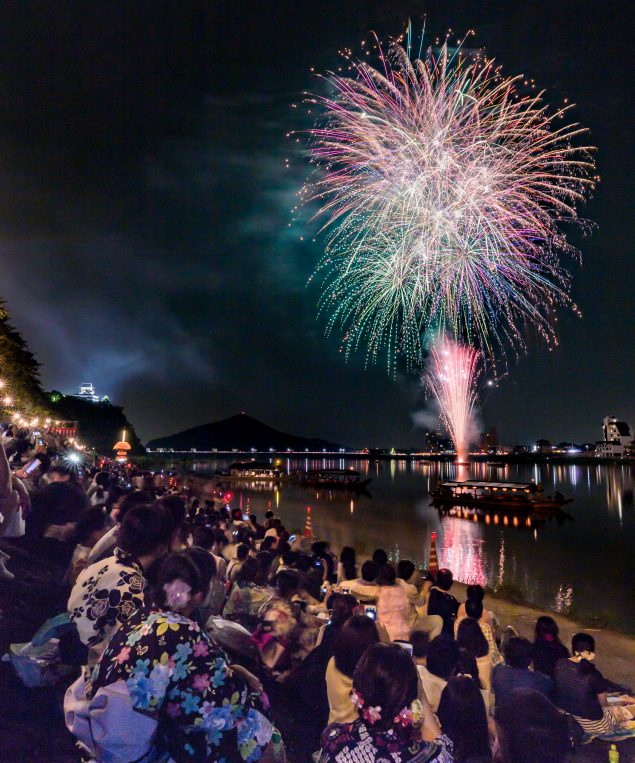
[(308, 530), (433, 562)]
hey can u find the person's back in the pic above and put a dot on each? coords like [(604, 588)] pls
[(530, 729), (58, 504), (441, 660), (353, 639), (109, 592), (432, 685), (205, 537), (105, 547), (442, 603), (392, 612), (577, 689), (506, 678), (548, 648), (515, 674), (338, 689), (364, 589)]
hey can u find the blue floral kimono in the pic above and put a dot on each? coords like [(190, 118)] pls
[(175, 673)]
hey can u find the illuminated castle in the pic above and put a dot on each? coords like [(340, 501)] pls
[(87, 392)]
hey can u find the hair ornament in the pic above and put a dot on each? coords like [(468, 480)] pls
[(412, 715), (177, 594), (584, 655), (369, 714)]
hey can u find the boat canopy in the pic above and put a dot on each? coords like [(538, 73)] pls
[(491, 485)]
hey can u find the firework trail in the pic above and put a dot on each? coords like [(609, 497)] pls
[(442, 189), (452, 377)]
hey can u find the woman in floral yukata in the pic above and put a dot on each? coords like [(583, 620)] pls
[(206, 710), (393, 725)]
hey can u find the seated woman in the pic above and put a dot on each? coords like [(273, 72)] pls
[(109, 592), (393, 607), (548, 648), (470, 637), (283, 637), (204, 710), (442, 603), (392, 724), (247, 599), (530, 728), (581, 690), (308, 681), (473, 610), (418, 619), (463, 718), (354, 637)]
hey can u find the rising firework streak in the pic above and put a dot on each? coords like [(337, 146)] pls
[(452, 377)]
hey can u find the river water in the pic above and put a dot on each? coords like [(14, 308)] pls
[(582, 564)]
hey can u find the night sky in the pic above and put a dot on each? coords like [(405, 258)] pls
[(145, 210)]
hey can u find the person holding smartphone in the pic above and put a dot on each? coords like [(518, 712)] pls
[(33, 470), (14, 506)]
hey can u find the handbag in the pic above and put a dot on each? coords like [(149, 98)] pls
[(107, 727)]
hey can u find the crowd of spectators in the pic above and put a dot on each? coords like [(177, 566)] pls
[(195, 629)]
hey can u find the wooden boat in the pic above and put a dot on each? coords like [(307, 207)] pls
[(520, 496), (334, 479), (251, 470)]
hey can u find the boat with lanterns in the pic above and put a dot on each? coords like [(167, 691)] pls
[(252, 470), (509, 496)]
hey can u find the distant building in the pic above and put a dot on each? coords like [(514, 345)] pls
[(542, 446), (489, 440), (618, 436), (87, 392), (616, 431)]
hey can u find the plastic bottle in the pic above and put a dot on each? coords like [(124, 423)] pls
[(614, 756)]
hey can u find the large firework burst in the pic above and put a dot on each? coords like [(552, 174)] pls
[(443, 187)]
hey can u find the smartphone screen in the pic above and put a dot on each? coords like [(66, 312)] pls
[(32, 466), (405, 645), (371, 612)]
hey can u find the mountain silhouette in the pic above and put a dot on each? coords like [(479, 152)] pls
[(241, 432)]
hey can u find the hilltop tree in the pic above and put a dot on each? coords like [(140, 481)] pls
[(19, 370)]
